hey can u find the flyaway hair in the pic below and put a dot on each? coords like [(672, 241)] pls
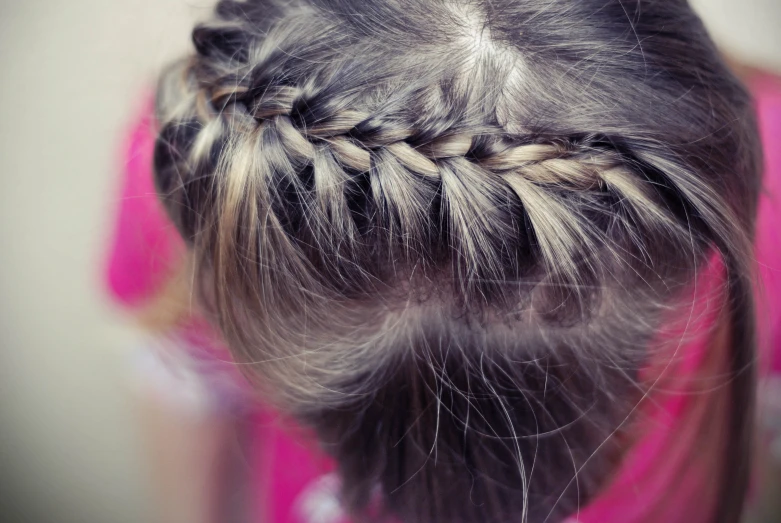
[(443, 234)]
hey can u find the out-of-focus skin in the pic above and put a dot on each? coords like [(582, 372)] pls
[(186, 456)]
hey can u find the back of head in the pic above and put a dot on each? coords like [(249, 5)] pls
[(444, 232)]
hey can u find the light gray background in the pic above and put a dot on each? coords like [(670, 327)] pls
[(70, 74)]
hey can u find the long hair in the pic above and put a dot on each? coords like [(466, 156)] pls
[(443, 233)]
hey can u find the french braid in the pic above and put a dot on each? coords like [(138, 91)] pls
[(419, 234)]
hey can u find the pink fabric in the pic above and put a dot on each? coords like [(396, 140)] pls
[(768, 243), (642, 481), (287, 469), (145, 244), (284, 466)]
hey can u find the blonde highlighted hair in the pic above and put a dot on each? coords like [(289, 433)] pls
[(444, 233)]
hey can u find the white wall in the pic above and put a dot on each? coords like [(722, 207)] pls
[(69, 71), (750, 30)]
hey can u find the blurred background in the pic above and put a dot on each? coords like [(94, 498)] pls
[(71, 75)]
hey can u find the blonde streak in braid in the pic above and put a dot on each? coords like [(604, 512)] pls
[(339, 124), (205, 140), (413, 160), (244, 209), (233, 175), (471, 195), (275, 101), (584, 173), (330, 183), (349, 154), (448, 146), (401, 198), (248, 239), (323, 206), (279, 160), (558, 230), (388, 137), (513, 157), (221, 93), (636, 195), (294, 141), (547, 165), (568, 173)]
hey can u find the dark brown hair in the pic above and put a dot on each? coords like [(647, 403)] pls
[(444, 233)]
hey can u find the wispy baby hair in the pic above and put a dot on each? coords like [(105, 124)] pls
[(442, 233)]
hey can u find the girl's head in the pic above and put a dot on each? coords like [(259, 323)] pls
[(445, 233)]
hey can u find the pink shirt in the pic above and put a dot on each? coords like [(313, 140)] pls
[(296, 484)]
